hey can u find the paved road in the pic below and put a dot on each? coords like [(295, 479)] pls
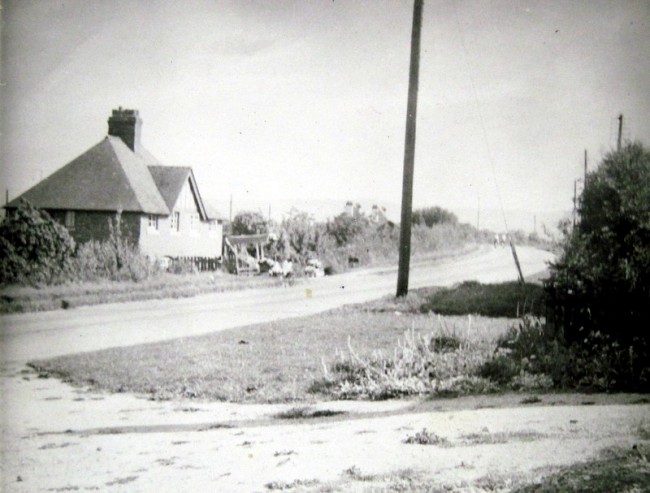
[(46, 334)]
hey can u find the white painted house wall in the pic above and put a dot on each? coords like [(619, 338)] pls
[(191, 237)]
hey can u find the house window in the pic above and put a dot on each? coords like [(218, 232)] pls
[(193, 222), (69, 219), (153, 222), (175, 221)]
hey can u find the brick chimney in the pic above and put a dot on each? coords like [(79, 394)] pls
[(126, 125)]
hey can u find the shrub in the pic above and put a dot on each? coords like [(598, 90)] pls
[(599, 289), (527, 349), (115, 259), (531, 356), (345, 228), (602, 280), (249, 223), (429, 216), (33, 247)]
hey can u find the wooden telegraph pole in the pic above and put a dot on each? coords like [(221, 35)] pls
[(409, 154), (620, 132)]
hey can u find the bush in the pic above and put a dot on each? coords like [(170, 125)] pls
[(429, 216), (33, 247), (249, 223), (531, 355), (599, 289), (602, 280)]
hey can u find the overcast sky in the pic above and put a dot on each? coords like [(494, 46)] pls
[(271, 101)]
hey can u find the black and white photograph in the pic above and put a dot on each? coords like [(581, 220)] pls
[(325, 246)]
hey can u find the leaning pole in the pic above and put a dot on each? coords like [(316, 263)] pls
[(409, 155)]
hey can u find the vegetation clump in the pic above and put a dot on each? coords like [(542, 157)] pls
[(426, 437), (34, 248), (599, 289), (511, 300)]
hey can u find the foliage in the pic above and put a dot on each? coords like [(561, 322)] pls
[(420, 364), (301, 237), (34, 248), (531, 354), (509, 299), (345, 228), (429, 216), (249, 223), (600, 286), (115, 259)]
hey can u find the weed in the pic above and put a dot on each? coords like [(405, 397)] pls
[(306, 413), (425, 437), (283, 485), (355, 473), (501, 437)]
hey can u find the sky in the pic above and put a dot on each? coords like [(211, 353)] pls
[(284, 102)]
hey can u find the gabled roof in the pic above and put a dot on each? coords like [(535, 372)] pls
[(170, 181), (107, 177)]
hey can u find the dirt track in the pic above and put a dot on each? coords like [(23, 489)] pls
[(75, 440)]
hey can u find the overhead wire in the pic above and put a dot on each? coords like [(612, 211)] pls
[(480, 116)]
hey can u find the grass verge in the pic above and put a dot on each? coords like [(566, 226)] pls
[(17, 299), (291, 360)]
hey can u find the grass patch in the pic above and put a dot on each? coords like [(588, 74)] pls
[(364, 351), (307, 413), (501, 437), (509, 299), (284, 361), (17, 299), (624, 471)]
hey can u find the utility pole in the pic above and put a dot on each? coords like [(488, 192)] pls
[(585, 182), (409, 154), (620, 132), (230, 209), (575, 201)]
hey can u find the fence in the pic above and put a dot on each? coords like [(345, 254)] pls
[(202, 264)]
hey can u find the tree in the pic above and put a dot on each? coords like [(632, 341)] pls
[(33, 247), (601, 283), (344, 228), (249, 223), (433, 215)]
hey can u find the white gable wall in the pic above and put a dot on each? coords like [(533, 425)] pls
[(183, 234)]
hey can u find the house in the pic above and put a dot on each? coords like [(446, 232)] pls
[(117, 181)]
